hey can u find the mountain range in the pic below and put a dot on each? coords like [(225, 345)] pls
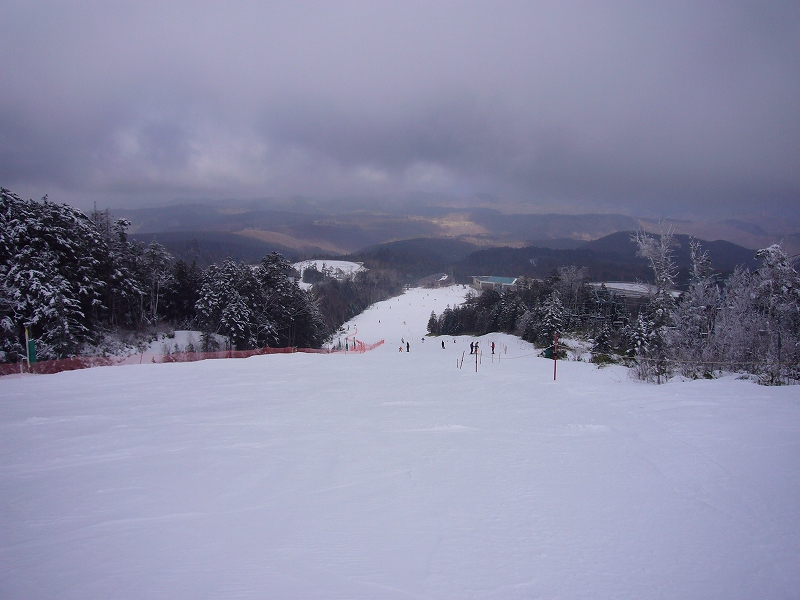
[(423, 235)]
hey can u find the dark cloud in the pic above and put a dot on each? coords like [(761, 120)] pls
[(634, 106)]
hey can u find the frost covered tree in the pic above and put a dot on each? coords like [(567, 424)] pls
[(570, 283), (656, 317), (736, 338), (778, 302), (757, 327), (659, 252), (695, 317), (156, 262)]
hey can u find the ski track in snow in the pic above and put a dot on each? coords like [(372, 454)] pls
[(396, 475)]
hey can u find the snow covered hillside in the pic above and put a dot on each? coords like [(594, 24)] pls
[(338, 268), (394, 474)]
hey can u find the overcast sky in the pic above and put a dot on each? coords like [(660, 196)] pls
[(693, 106)]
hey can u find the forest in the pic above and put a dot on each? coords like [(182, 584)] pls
[(748, 322), (79, 285)]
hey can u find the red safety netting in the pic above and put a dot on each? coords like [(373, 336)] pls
[(47, 367)]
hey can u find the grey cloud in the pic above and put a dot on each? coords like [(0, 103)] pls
[(631, 105)]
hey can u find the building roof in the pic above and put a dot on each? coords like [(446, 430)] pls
[(434, 278), (496, 279)]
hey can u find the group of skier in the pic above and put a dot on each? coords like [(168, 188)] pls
[(473, 346)]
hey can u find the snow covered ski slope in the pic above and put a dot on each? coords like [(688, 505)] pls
[(396, 475)]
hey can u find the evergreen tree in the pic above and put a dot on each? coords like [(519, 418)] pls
[(124, 272), (433, 324), (638, 342), (182, 292), (49, 261), (236, 321), (552, 321), (259, 306), (601, 344)]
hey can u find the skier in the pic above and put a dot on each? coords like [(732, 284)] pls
[(408, 347), (442, 344), (492, 347), (471, 348)]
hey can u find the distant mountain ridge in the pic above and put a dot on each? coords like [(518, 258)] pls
[(304, 228), (210, 247), (612, 257)]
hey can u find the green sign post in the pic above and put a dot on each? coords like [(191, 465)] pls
[(31, 348)]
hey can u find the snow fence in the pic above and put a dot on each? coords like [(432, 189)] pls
[(48, 367)]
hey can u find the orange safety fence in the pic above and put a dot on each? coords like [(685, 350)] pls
[(47, 367)]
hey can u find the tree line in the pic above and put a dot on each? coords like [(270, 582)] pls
[(72, 279), (748, 322)]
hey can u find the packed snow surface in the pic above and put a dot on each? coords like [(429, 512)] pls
[(395, 474)]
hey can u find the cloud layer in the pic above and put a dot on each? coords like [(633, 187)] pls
[(624, 105)]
